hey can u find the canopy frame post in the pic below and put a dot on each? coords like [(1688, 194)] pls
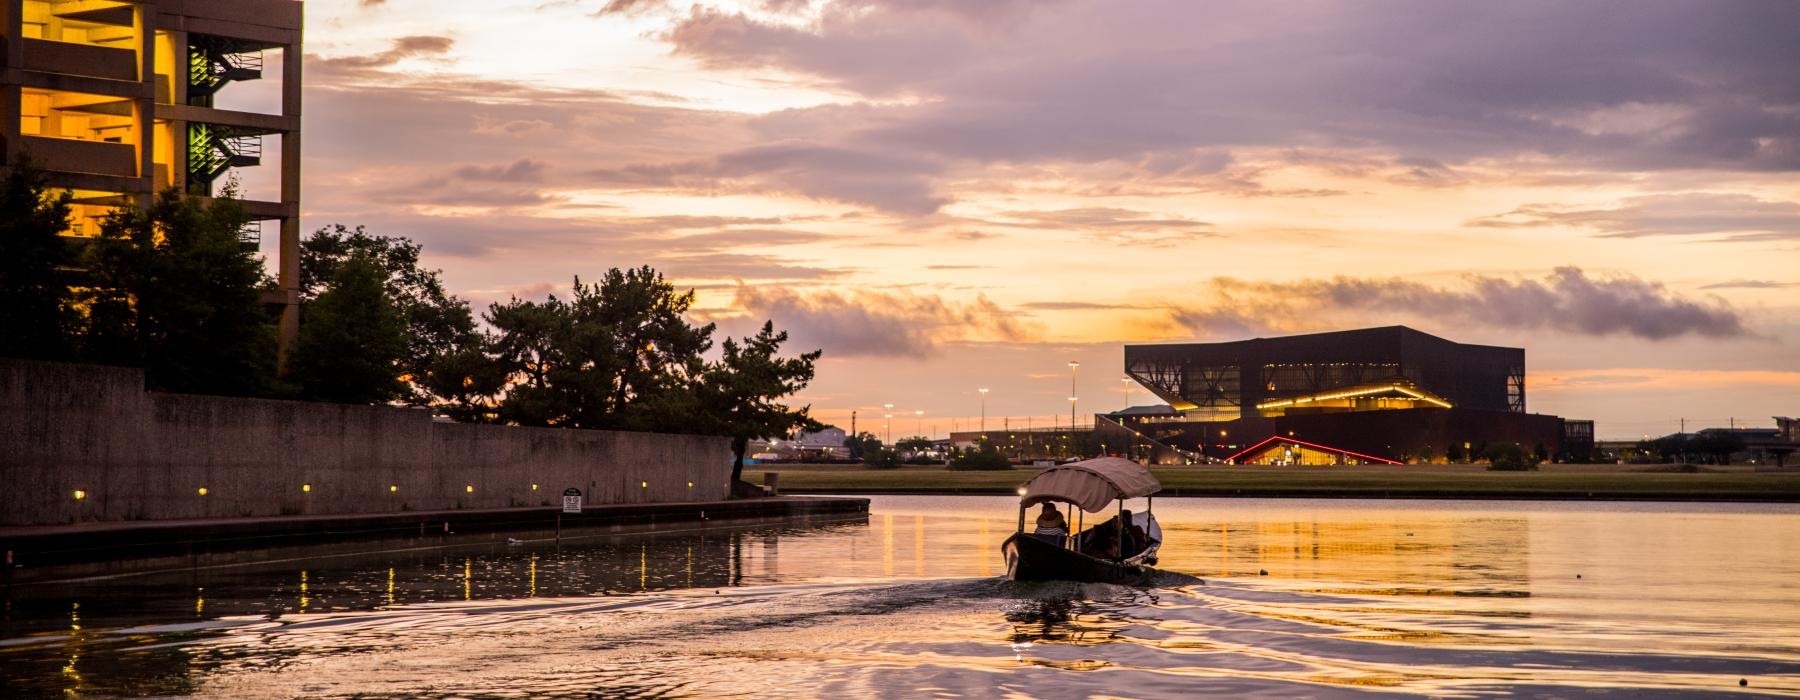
[(1119, 531), (1021, 516)]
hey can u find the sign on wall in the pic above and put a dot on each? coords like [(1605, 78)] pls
[(572, 500)]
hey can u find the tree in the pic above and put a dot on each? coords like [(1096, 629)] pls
[(881, 458), (1506, 456), (984, 459), (174, 289), (862, 443), (741, 393), (916, 443), (467, 380), (618, 355), (37, 313), (437, 323), (352, 340)]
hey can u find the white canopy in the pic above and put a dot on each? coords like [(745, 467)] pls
[(1092, 484)]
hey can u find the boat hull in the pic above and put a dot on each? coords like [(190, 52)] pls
[(1031, 559)]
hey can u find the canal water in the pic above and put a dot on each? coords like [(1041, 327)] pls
[(1287, 598)]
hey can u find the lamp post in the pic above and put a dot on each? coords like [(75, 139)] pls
[(887, 424), (1127, 382), (983, 412), (919, 423), (1072, 365)]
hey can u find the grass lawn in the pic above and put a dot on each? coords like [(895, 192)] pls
[(1455, 481)]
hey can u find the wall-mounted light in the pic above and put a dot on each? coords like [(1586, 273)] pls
[(203, 490), (644, 484), (468, 488), (690, 484), (534, 487), (306, 488), (80, 495), (393, 488)]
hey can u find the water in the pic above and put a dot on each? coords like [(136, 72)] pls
[(1448, 599)]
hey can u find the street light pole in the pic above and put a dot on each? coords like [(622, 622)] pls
[(1127, 382), (887, 423), (1072, 365), (983, 413), (919, 422)]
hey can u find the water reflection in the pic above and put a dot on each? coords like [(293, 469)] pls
[(1300, 598)]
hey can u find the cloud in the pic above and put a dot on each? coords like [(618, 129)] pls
[(1110, 223), (1670, 85), (522, 170), (1732, 217), (1751, 284), (1567, 300), (403, 48), (885, 324), (890, 182)]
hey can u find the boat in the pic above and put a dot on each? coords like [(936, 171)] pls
[(1088, 486)]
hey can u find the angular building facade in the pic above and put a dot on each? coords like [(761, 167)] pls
[(1373, 395), (114, 101)]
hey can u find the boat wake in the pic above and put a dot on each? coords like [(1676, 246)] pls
[(954, 637)]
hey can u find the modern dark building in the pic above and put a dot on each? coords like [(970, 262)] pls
[(1368, 395)]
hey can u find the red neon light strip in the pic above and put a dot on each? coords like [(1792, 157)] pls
[(1259, 445)]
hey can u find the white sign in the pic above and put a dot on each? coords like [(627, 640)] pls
[(572, 500)]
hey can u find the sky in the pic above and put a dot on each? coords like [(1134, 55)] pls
[(946, 196)]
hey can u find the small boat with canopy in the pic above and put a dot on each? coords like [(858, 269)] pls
[(1119, 550)]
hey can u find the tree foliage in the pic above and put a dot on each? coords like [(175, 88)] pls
[(881, 458), (37, 311), (352, 338), (1506, 456), (437, 323), (862, 443), (740, 395), (982, 459), (174, 289), (916, 443)]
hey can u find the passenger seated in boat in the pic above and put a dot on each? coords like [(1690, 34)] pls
[(1101, 540), (1051, 527)]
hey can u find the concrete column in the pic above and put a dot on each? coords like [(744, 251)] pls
[(144, 24), (289, 278)]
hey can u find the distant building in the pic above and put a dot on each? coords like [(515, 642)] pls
[(1389, 394), (114, 100)]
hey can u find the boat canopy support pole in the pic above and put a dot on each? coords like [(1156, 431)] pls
[(1021, 516), (1120, 530)]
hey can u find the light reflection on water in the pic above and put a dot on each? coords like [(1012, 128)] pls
[(1442, 598)]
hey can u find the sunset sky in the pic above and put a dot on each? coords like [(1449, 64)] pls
[(948, 195)]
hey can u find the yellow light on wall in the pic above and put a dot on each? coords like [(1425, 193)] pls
[(690, 484), (80, 494), (644, 484), (306, 488), (534, 487), (203, 490), (468, 488), (393, 488)]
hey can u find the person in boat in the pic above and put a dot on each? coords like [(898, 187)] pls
[(1051, 526), (1102, 540)]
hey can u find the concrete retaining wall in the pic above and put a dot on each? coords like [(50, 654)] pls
[(143, 456)]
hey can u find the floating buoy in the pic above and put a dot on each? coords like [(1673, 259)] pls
[(1262, 572)]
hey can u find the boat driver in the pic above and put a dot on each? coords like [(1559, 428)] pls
[(1051, 527)]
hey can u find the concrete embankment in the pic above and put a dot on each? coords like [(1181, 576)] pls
[(85, 443), (58, 552)]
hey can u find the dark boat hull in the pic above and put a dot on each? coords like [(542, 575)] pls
[(1031, 559)]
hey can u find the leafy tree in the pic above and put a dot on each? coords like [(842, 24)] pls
[(617, 355), (881, 458), (437, 323), (742, 392), (352, 339), (175, 290), (984, 459), (37, 313), (916, 443), (1506, 456), (467, 380), (862, 443)]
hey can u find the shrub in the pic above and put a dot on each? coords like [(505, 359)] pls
[(881, 458), (980, 460), (1508, 457)]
